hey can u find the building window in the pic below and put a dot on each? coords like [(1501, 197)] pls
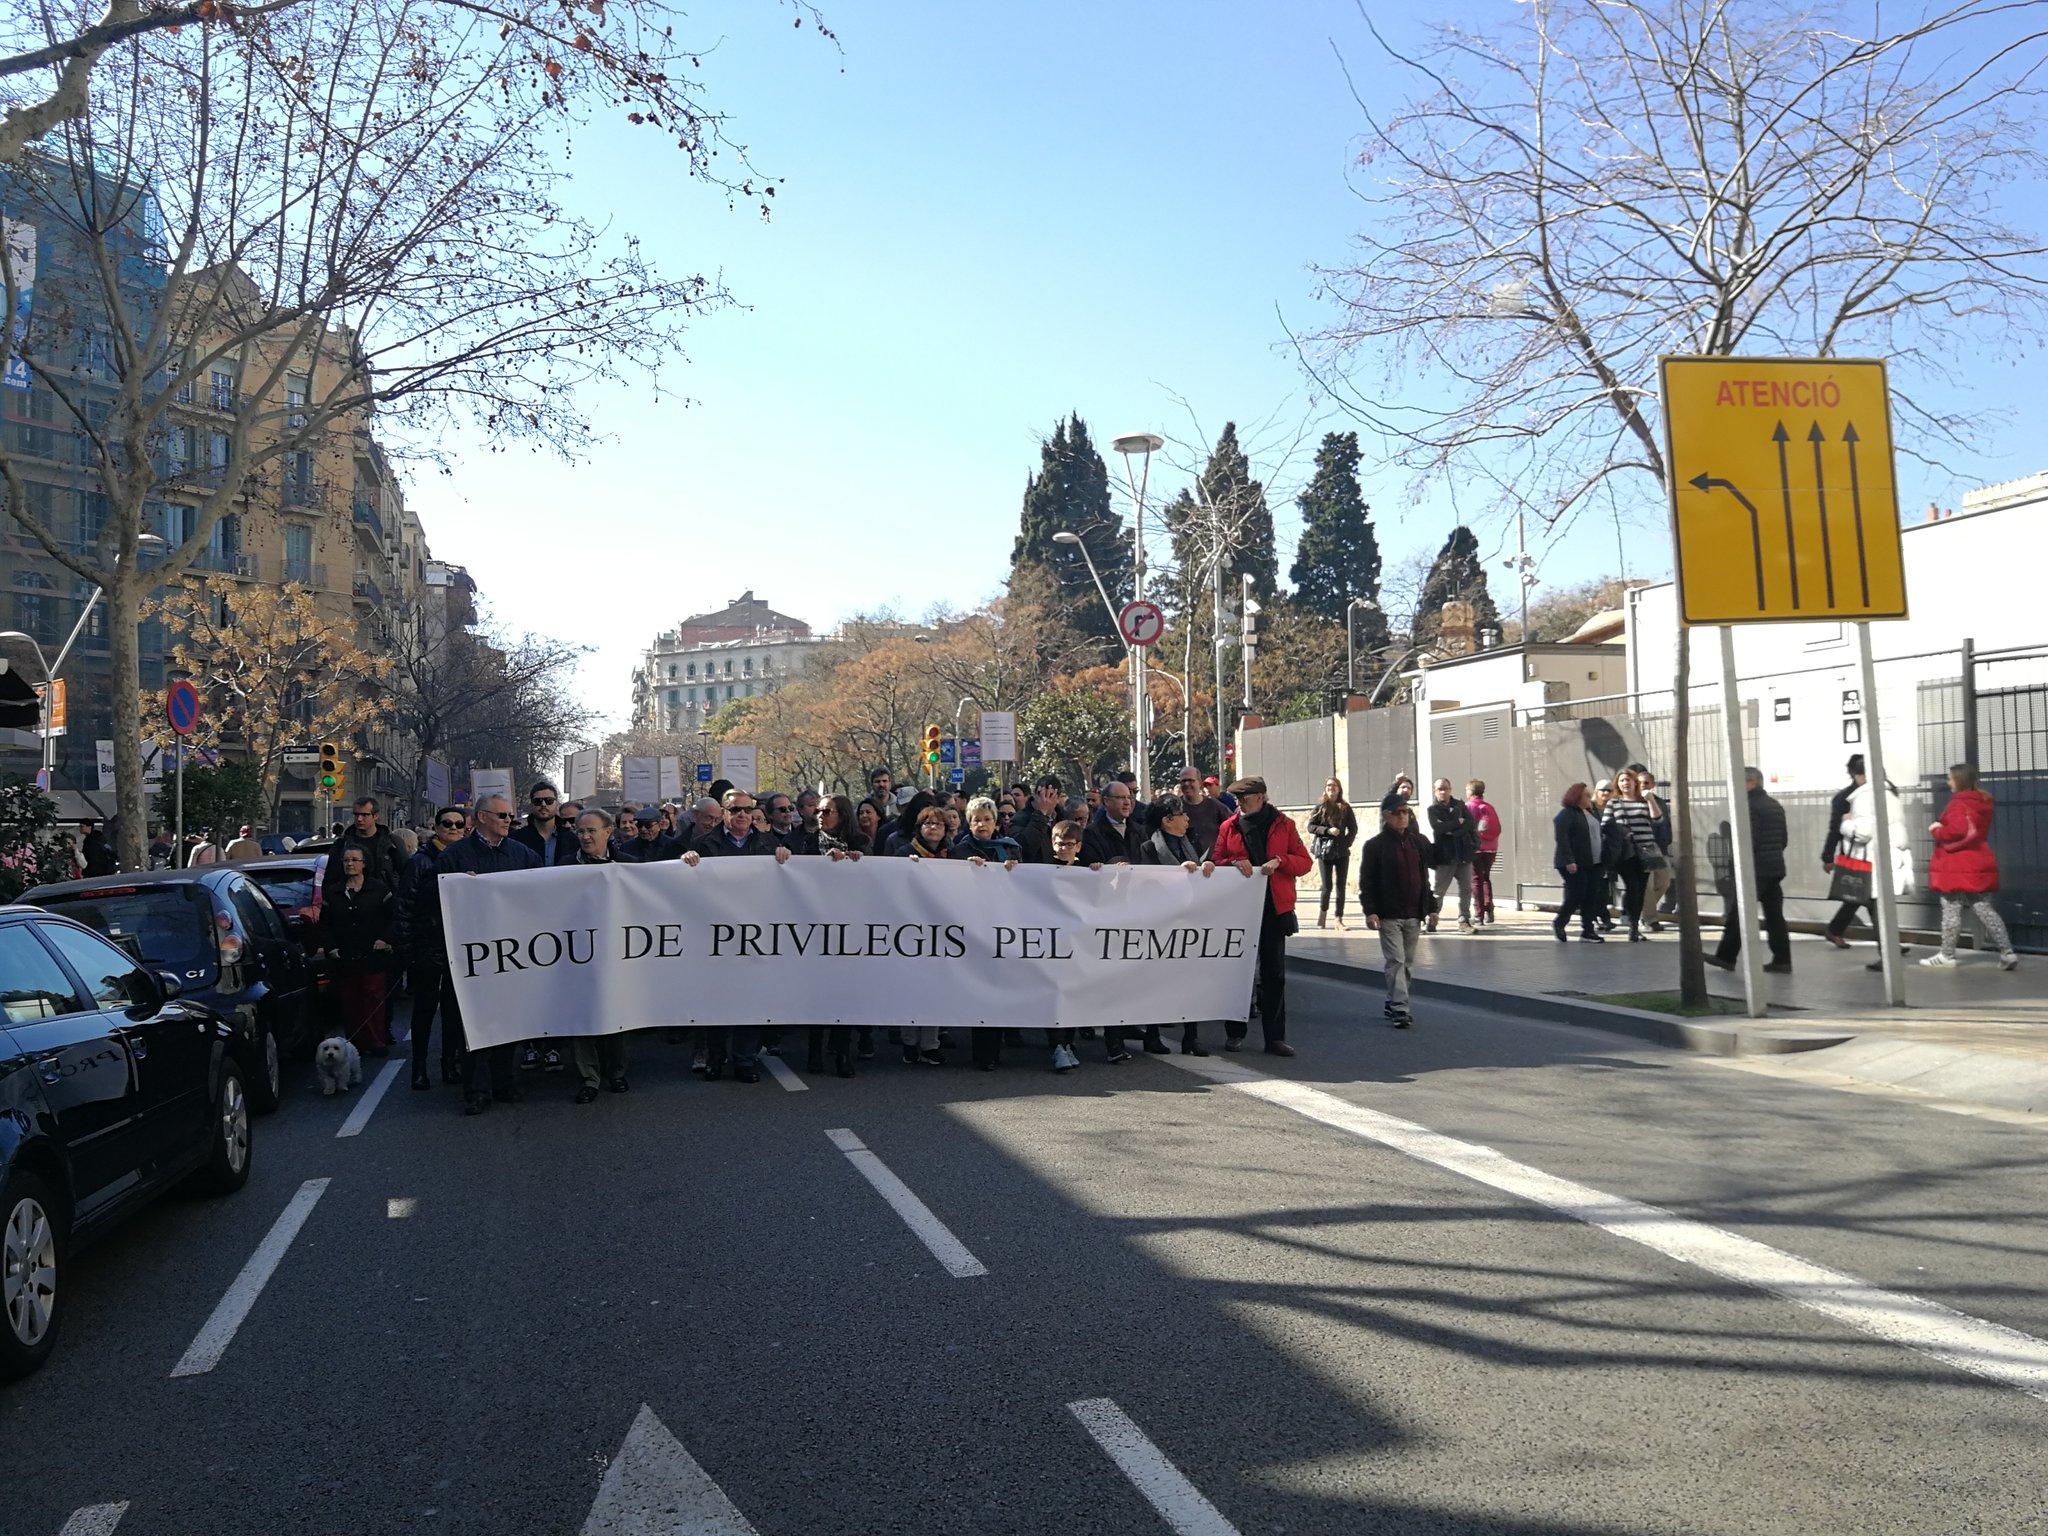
[(672, 670), (728, 673), (218, 446), (750, 690), (747, 667), (94, 509), (691, 671), (674, 697), (178, 450), (35, 608), (298, 390), (223, 389), (298, 554), (176, 523), (728, 688)]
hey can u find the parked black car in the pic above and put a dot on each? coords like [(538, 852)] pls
[(112, 1089), (222, 937), (292, 882)]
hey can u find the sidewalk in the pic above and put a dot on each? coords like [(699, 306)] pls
[(1976, 1034)]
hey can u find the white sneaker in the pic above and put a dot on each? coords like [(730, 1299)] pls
[(2008, 961), (1940, 962), (1064, 1059)]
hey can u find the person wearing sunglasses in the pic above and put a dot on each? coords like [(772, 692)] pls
[(427, 965), (552, 841)]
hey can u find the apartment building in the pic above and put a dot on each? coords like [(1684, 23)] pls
[(713, 658)]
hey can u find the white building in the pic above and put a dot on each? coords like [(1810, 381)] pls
[(711, 659)]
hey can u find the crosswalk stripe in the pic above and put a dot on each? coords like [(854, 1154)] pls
[(1986, 1349), (1179, 1502), (784, 1073)]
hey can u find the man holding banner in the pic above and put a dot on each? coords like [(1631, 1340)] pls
[(738, 839)]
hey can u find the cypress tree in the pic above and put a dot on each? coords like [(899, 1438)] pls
[(1338, 558), (1240, 501), (1458, 575), (1070, 493)]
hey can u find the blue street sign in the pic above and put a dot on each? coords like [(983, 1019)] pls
[(970, 752), (181, 706), (703, 773), (958, 775), (946, 750)]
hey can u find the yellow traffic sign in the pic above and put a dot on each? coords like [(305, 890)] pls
[(1783, 506)]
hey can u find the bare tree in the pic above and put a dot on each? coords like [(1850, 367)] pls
[(286, 226), (1596, 183)]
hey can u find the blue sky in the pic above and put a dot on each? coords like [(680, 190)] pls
[(991, 214)]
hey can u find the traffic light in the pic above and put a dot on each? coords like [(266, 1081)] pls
[(330, 769), (931, 745)]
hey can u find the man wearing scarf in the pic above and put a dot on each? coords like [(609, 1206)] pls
[(1256, 841)]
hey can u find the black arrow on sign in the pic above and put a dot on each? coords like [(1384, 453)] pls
[(1856, 504), (1781, 437), (1705, 482), (1820, 490)]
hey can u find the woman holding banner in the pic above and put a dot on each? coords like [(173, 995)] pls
[(600, 1059)]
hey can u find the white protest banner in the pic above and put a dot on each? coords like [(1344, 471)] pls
[(436, 773), (998, 736), (598, 949), (671, 778), (642, 780), (490, 781), (579, 774), (742, 766)]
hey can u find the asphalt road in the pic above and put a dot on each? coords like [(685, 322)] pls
[(1203, 1305)]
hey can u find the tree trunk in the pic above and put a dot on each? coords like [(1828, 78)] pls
[(124, 601), (1692, 965)]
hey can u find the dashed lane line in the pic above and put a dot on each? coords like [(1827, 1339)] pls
[(917, 1216), (1179, 1502), (372, 1097), (220, 1329), (1990, 1350), (784, 1073), (95, 1520)]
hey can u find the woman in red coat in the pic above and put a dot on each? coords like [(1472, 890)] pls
[(1259, 840), (1965, 870)]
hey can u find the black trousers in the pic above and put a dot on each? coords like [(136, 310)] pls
[(1334, 869), (431, 993), (1770, 896), (1269, 990), (1846, 914), (1578, 900), (1635, 884)]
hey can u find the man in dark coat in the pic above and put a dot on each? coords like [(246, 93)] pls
[(1393, 890), (1767, 838), (738, 839), (426, 963), (1115, 835), (489, 850), (1032, 826), (649, 843), (552, 840), (383, 854), (97, 850)]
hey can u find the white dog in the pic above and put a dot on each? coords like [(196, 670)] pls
[(341, 1066)]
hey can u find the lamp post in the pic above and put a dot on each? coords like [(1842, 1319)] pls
[(1134, 655), (1351, 640), (1144, 445)]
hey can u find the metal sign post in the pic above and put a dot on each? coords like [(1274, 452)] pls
[(1741, 851), (1881, 854)]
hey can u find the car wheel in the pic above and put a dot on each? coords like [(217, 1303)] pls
[(227, 1159), (31, 1245), (266, 1086)]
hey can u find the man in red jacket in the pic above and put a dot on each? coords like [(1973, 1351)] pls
[(1258, 840)]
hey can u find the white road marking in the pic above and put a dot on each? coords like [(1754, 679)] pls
[(95, 1520), (655, 1488), (399, 1207), (1179, 1502), (784, 1073), (1997, 1353), (917, 1216), (372, 1097), (234, 1307)]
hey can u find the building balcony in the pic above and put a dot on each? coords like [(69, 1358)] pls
[(304, 573), (367, 520), (297, 491), (367, 591)]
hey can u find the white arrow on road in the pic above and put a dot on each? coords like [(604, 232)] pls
[(655, 1488)]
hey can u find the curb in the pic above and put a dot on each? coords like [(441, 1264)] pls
[(1747, 1038)]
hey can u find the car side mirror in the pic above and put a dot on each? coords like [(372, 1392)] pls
[(164, 984)]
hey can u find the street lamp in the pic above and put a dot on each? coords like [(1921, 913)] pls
[(1066, 537), (1351, 640), (1144, 445)]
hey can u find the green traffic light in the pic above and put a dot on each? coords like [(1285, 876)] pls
[(327, 781)]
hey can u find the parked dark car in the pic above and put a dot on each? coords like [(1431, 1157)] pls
[(292, 882), (113, 1088), (225, 941)]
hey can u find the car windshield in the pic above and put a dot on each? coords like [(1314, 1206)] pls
[(290, 889), (166, 927)]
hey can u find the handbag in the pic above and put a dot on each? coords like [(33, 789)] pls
[(1849, 885), (1320, 846)]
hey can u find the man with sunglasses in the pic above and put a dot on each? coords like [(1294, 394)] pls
[(426, 963), (785, 825), (738, 839), (383, 853), (553, 842), (488, 850)]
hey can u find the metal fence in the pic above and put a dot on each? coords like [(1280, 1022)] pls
[(1295, 759)]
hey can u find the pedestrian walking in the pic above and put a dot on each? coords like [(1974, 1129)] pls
[(1257, 839), (1487, 820), (1964, 871), (552, 840), (244, 846), (1454, 842), (1657, 899), (1628, 834), (1394, 895), (1855, 848), (1575, 856), (1332, 829), (426, 962), (1767, 840), (358, 933), (98, 850), (600, 1059)]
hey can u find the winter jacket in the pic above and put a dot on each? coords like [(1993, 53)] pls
[(1205, 819), (1837, 809), (656, 850), (471, 856), (1283, 842), (1454, 834), (1963, 861), (1487, 819), (997, 850), (717, 845), (1171, 852), (1767, 835), (1033, 834), (563, 840), (1856, 836), (351, 923), (1393, 874), (383, 860), (1574, 840), (1340, 826), (1103, 844), (417, 868)]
